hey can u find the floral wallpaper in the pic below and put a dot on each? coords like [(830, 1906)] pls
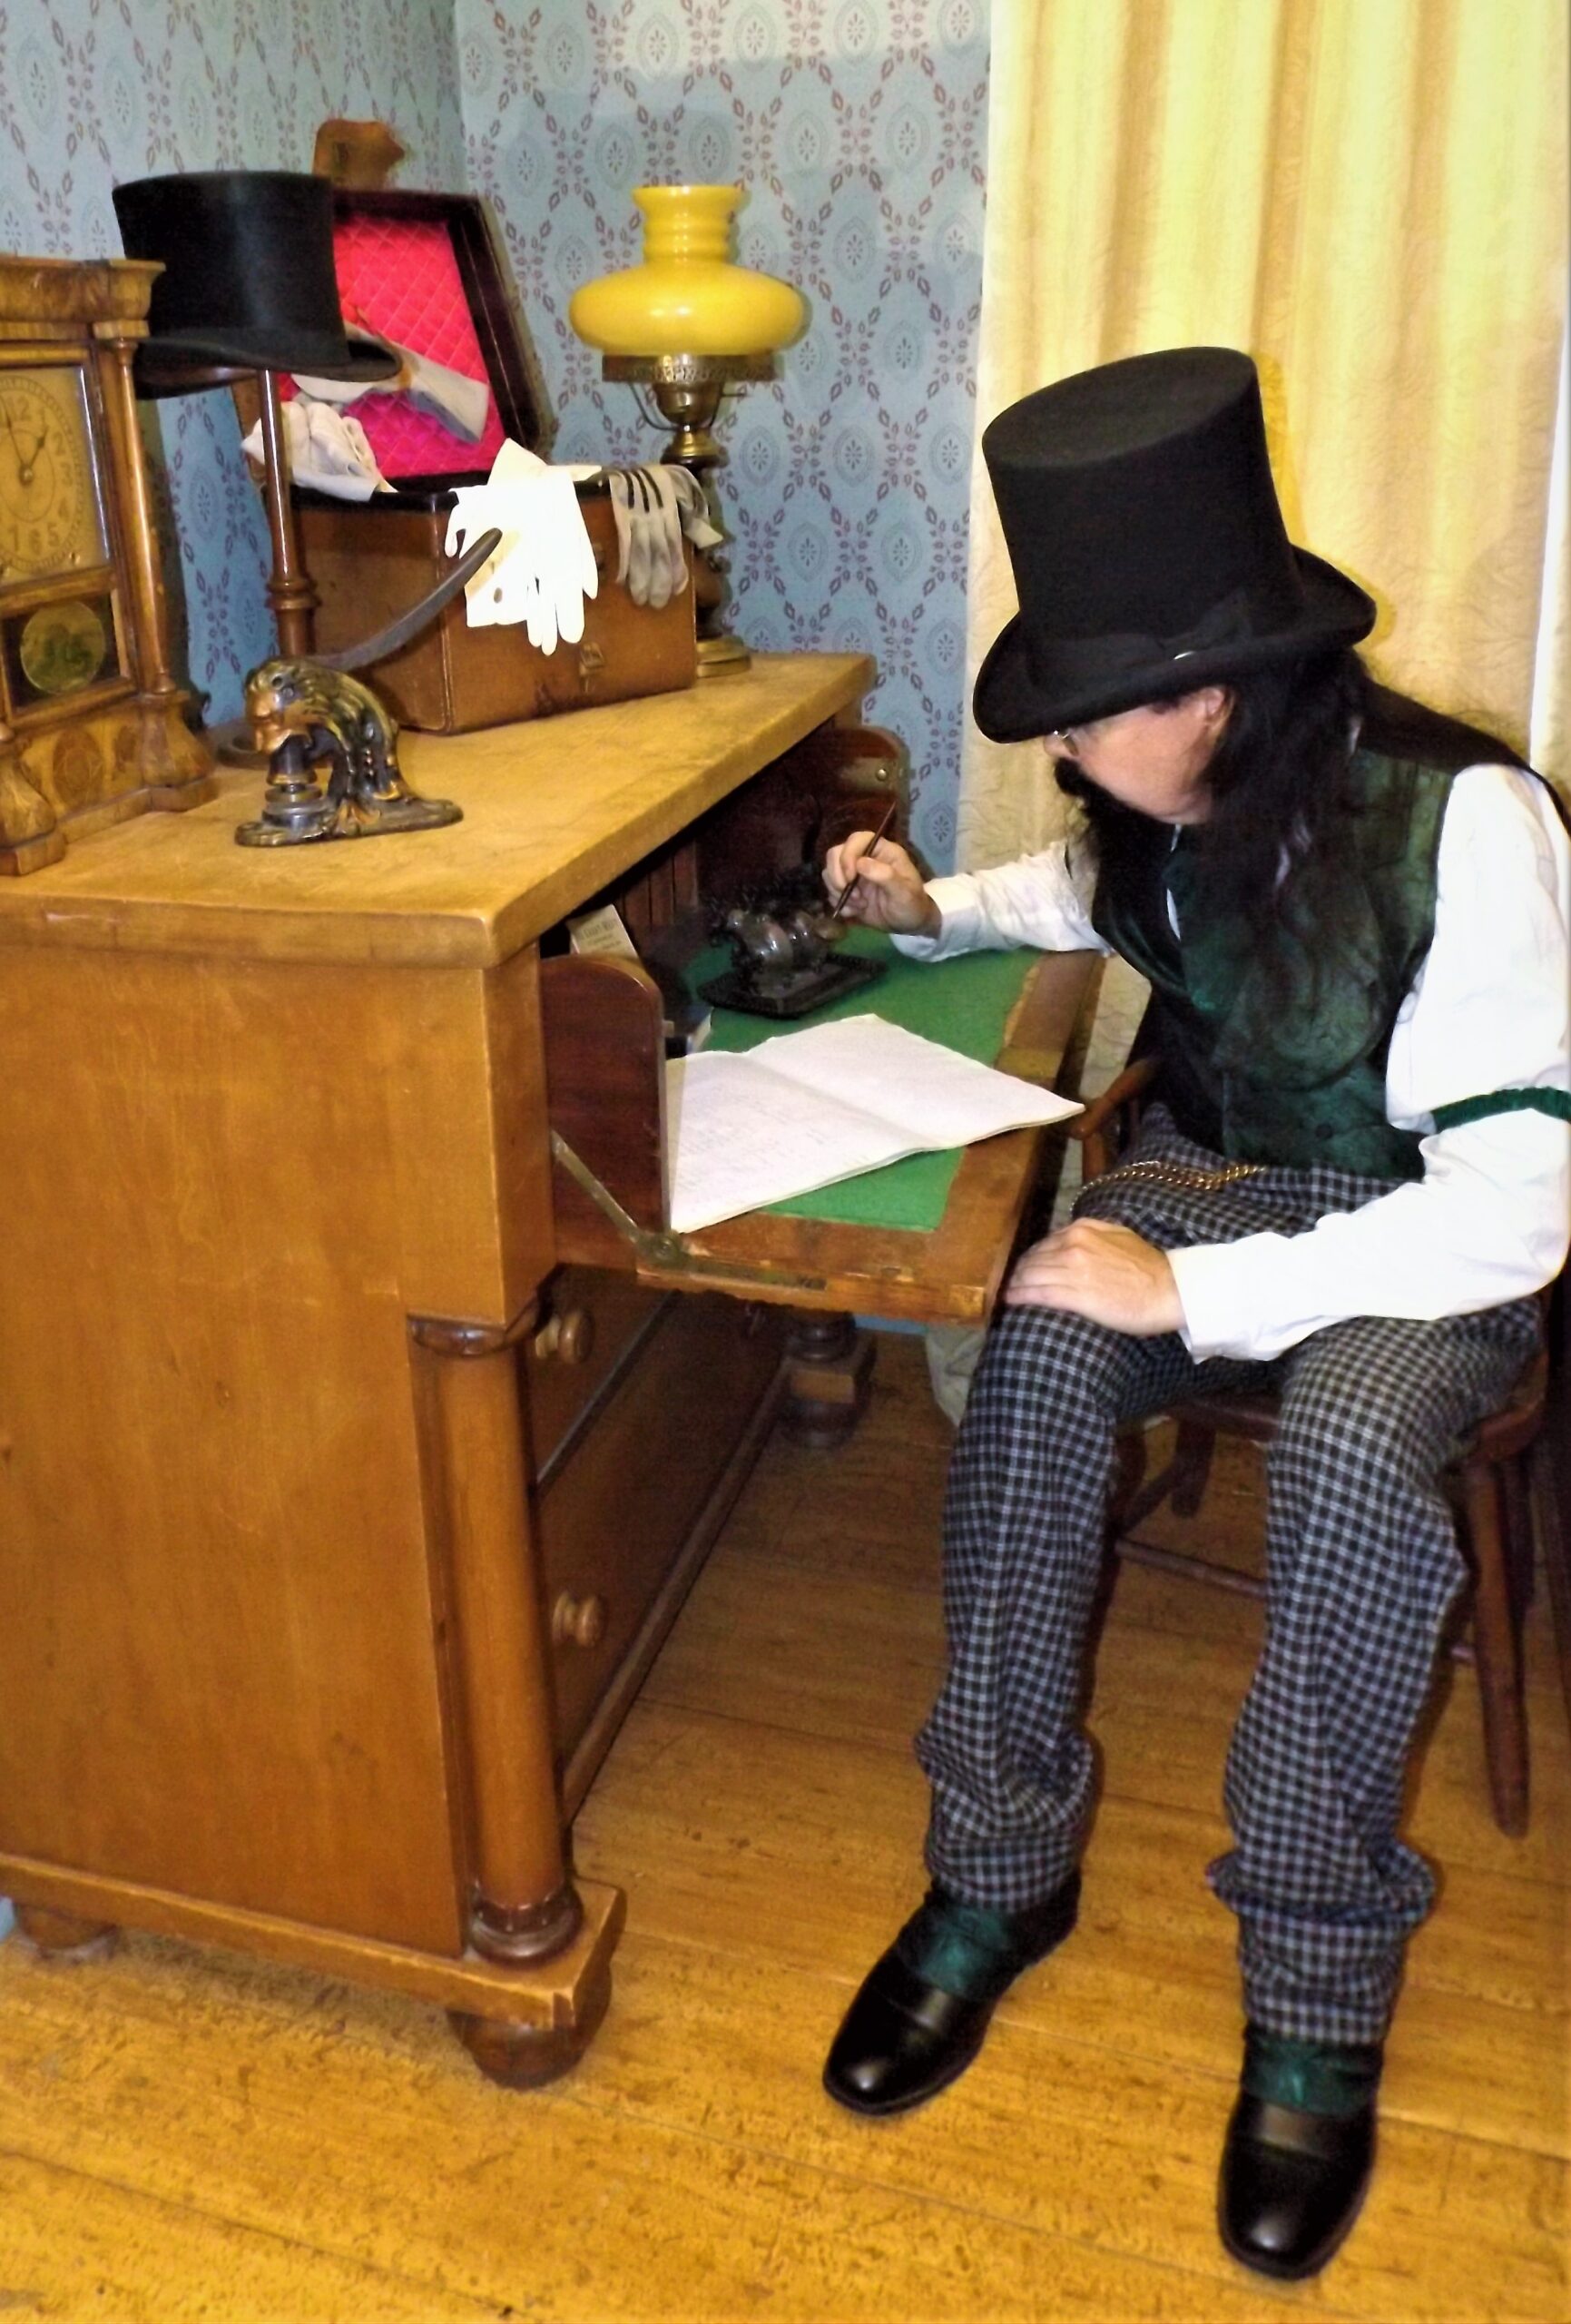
[(859, 128), (96, 91)]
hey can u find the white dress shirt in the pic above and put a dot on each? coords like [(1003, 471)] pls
[(1491, 1009)]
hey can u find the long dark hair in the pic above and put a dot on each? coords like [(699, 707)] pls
[(1273, 851)]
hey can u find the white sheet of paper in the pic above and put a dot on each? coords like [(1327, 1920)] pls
[(604, 931), (805, 1109)]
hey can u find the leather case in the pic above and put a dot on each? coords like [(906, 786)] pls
[(423, 270)]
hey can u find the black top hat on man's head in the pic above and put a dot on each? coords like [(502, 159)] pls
[(1149, 551), (248, 273)]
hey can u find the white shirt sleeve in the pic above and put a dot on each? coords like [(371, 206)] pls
[(1490, 1218), (1036, 901)]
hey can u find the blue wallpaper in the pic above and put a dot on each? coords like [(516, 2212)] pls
[(859, 128), (96, 91)]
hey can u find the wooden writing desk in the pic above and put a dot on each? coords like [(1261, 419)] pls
[(346, 1480)]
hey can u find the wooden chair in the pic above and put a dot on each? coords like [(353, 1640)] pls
[(1488, 1483)]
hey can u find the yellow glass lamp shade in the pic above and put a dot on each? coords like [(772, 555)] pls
[(687, 296)]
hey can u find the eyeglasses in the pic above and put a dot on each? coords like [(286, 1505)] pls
[(1073, 737)]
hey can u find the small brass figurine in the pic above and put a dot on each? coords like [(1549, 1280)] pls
[(307, 712)]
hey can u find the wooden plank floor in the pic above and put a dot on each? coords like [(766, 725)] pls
[(188, 2135)]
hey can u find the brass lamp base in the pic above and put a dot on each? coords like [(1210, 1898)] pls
[(718, 655), (686, 391)]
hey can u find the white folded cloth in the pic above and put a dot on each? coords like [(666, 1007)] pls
[(327, 451), (459, 402)]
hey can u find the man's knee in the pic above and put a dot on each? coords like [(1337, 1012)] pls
[(1043, 1356), (1367, 1401), (1355, 1474)]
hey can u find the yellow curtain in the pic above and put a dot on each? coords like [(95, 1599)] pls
[(1369, 196)]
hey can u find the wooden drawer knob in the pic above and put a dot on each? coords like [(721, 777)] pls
[(578, 1622), (569, 1336)]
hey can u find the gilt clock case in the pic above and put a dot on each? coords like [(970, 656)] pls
[(92, 726)]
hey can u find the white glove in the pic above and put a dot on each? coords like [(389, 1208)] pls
[(544, 567), (653, 509), (327, 451), (621, 494), (630, 504), (668, 566), (694, 508)]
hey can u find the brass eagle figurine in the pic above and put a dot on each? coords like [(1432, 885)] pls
[(307, 712)]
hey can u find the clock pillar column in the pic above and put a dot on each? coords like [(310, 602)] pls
[(149, 625), (177, 766)]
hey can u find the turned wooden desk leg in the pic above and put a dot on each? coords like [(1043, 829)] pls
[(524, 1907), (829, 1379), (66, 1936)]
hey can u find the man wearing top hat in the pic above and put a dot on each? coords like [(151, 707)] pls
[(1354, 1174)]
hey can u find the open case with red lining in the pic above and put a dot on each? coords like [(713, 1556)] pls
[(422, 270)]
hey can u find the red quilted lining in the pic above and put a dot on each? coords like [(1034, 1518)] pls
[(400, 277)]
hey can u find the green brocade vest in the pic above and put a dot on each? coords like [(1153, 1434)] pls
[(1298, 1075)]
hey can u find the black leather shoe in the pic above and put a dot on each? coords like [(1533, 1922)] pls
[(923, 2008), (1294, 2176)]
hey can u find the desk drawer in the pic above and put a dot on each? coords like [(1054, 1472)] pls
[(627, 1515), (591, 1322)]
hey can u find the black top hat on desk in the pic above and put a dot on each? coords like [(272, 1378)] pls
[(248, 277), (1148, 546)]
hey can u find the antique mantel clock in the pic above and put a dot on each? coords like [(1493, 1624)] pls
[(92, 723)]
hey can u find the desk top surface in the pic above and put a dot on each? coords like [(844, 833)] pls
[(554, 809)]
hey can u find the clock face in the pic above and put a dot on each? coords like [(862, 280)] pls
[(51, 520)]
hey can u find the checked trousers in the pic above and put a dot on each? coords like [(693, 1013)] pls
[(1362, 1563)]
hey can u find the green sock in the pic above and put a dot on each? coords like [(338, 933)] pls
[(976, 1951), (1335, 2078)]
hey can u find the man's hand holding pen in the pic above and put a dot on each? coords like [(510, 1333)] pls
[(871, 879), (1089, 1267)]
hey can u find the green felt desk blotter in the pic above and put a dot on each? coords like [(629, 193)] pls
[(963, 1003)]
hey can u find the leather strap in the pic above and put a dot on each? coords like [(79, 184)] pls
[(1293, 2129)]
